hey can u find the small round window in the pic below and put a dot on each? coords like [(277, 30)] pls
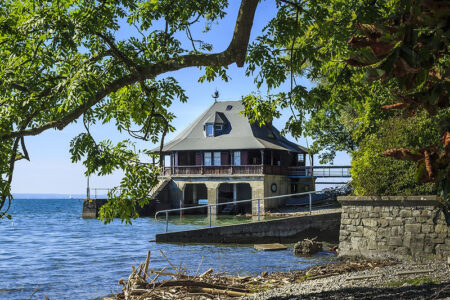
[(273, 187)]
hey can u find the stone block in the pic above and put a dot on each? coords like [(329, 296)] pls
[(369, 233), (344, 233), (428, 249), (441, 228), (356, 222), (416, 213), (407, 240), (425, 213), (396, 230), (410, 220), (405, 213), (370, 222), (402, 251), (424, 220), (372, 245), (413, 228), (383, 223), (396, 222), (395, 241), (346, 221), (426, 228), (416, 247), (354, 215), (418, 237), (395, 211), (356, 243)]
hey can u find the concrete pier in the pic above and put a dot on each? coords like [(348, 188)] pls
[(325, 225), (91, 208)]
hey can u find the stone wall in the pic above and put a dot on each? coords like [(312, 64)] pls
[(397, 227)]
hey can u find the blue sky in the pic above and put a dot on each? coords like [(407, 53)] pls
[(50, 169)]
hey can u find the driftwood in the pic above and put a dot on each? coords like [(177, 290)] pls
[(145, 284), (224, 292)]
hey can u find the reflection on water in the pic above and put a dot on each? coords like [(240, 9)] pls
[(48, 249)]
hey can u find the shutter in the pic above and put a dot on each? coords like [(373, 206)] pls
[(244, 158), (224, 159), (198, 158)]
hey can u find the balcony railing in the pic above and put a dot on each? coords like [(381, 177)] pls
[(320, 171), (226, 170)]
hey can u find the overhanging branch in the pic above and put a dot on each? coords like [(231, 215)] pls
[(235, 53)]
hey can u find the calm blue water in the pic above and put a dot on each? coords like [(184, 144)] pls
[(48, 249)]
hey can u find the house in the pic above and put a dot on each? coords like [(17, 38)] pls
[(222, 157)]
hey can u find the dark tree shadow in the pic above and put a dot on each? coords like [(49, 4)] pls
[(426, 291)]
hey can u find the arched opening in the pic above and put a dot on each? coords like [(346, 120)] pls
[(229, 192), (195, 194)]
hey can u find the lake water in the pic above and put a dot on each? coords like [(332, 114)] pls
[(47, 249)]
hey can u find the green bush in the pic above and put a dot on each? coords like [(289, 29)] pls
[(375, 174)]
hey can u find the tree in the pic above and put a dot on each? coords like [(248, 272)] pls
[(61, 62), (366, 54)]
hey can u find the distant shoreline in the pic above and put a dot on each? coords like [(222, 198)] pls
[(29, 196)]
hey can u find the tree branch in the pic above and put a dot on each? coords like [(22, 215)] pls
[(235, 53)]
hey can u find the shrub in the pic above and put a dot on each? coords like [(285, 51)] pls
[(375, 174)]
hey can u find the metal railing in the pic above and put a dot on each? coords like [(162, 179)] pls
[(320, 171), (258, 200), (101, 189)]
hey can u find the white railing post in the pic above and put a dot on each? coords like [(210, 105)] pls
[(258, 209), (310, 204), (210, 217)]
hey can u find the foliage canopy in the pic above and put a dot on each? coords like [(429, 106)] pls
[(62, 62)]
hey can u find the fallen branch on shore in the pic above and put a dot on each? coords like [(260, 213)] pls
[(177, 284)]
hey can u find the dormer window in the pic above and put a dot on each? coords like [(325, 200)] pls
[(218, 126), (209, 129)]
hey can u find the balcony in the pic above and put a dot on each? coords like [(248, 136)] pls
[(226, 170), (320, 171)]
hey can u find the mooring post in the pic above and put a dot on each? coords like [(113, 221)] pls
[(310, 204), (167, 221), (210, 217), (259, 217)]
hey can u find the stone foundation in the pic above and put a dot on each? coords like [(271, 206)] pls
[(396, 227)]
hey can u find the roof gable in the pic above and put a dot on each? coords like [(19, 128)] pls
[(240, 134)]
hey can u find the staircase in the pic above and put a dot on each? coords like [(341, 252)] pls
[(159, 187), (228, 209)]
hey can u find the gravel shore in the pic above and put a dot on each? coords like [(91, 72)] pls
[(407, 280)]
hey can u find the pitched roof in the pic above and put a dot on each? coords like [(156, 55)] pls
[(240, 134)]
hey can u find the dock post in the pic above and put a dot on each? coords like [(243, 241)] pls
[(258, 208), (210, 217), (310, 204), (167, 221)]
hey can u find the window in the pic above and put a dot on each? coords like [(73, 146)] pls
[(209, 128), (229, 107), (217, 161), (237, 158), (301, 157), (207, 159), (218, 127)]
